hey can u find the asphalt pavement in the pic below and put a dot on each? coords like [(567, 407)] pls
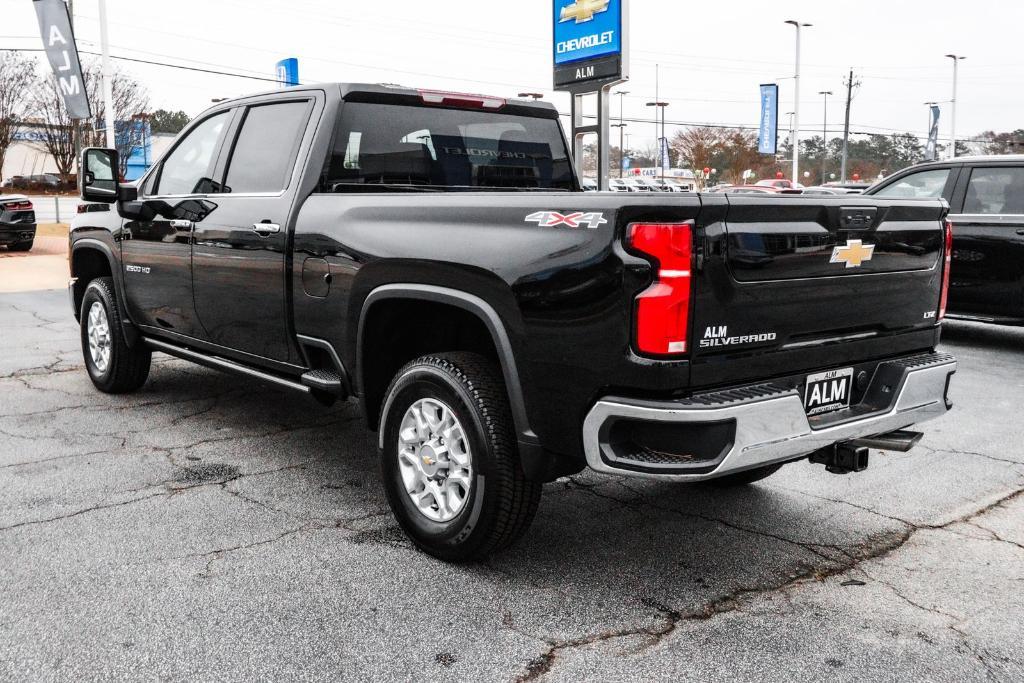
[(213, 528)]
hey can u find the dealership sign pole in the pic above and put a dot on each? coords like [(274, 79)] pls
[(591, 56)]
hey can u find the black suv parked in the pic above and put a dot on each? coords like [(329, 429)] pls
[(986, 196)]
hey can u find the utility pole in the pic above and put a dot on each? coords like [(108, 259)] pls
[(850, 85), (796, 106), (956, 74), (108, 77)]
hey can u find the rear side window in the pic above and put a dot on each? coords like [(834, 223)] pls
[(188, 168), (920, 185), (379, 146), (265, 150), (995, 191)]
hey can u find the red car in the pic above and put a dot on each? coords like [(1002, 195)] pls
[(778, 183)]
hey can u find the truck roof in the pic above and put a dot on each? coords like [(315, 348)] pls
[(399, 94)]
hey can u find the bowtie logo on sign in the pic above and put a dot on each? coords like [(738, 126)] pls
[(584, 10)]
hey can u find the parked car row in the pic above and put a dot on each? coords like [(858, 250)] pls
[(45, 182), (641, 184), (649, 184)]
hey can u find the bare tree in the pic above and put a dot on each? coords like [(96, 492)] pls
[(738, 153), (17, 79), (58, 141), (697, 146), (131, 101)]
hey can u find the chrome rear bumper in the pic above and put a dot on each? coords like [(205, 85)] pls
[(768, 422)]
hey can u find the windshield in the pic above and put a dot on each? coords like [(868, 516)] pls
[(389, 147)]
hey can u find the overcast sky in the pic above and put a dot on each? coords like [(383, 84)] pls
[(713, 55)]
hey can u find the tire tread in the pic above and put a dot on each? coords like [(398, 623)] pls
[(517, 498), (131, 364)]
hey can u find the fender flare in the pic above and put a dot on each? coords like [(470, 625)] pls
[(131, 333), (482, 310)]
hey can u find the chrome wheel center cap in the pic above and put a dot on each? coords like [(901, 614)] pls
[(429, 461)]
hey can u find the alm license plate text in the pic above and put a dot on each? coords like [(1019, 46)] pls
[(828, 391)]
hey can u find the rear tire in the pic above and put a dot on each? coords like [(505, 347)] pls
[(21, 246), (450, 462), (114, 367), (745, 478)]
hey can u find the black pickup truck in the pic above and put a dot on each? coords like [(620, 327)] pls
[(431, 256)]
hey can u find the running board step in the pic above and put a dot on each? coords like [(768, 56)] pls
[(218, 363), (325, 380)]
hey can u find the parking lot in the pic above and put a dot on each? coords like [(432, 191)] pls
[(211, 528)]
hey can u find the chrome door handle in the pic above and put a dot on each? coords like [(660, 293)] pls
[(179, 224), (266, 229)]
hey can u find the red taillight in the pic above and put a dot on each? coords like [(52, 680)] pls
[(663, 309), (456, 99), (947, 266), (18, 206)]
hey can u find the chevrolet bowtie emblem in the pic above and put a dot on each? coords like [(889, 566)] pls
[(583, 10), (854, 254)]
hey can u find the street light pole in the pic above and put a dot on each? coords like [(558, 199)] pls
[(108, 76), (824, 136), (956, 73), (622, 126), (796, 106), (661, 156), (622, 151)]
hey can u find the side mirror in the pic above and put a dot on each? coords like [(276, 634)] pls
[(99, 175)]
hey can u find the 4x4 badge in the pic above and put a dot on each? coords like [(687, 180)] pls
[(552, 219), (854, 254)]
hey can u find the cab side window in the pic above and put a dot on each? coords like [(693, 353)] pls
[(188, 169), (921, 185), (995, 191), (264, 154)]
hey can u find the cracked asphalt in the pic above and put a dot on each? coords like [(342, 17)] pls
[(213, 528)]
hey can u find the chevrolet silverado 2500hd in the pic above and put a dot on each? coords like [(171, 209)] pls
[(431, 256)]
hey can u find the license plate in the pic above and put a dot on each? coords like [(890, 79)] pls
[(828, 391)]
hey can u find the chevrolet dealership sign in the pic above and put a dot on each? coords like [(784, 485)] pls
[(589, 43)]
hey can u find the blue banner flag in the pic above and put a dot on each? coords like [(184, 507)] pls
[(288, 72), (768, 128), (931, 148)]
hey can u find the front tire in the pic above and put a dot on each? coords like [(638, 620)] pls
[(114, 367), (450, 462)]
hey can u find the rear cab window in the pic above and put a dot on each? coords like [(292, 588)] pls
[(397, 147)]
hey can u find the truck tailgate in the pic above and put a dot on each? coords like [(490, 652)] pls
[(791, 284)]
